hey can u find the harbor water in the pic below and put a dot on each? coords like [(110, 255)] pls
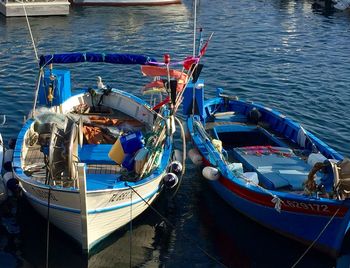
[(288, 54)]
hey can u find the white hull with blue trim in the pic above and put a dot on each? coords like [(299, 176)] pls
[(96, 159)]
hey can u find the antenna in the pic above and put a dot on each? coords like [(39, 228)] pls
[(194, 28)]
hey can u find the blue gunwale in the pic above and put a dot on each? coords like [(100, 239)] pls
[(21, 176), (256, 203)]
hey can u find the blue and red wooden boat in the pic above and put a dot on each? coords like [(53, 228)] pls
[(270, 168)]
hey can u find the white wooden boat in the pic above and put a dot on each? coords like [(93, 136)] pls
[(68, 161), (16, 8), (125, 2)]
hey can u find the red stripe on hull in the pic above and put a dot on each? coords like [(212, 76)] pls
[(290, 205)]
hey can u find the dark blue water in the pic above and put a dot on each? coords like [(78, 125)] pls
[(286, 54)]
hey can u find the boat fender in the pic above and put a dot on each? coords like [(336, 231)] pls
[(195, 157), (177, 155), (173, 126), (211, 173), (170, 180), (10, 181), (175, 167), (315, 158), (8, 159)]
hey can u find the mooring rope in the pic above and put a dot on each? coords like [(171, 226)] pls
[(30, 30), (48, 180), (130, 236), (174, 227), (313, 242)]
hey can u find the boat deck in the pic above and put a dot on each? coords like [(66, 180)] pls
[(35, 166)]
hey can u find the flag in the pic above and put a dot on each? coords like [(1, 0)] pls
[(204, 48), (189, 61)]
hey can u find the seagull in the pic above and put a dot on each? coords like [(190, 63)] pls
[(100, 84)]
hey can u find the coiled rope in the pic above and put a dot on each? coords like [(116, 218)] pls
[(174, 227)]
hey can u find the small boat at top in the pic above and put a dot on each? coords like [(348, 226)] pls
[(270, 168), (125, 2), (91, 160)]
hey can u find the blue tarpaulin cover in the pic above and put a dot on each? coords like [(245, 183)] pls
[(95, 57)]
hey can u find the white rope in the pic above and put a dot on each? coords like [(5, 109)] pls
[(313, 242), (30, 30)]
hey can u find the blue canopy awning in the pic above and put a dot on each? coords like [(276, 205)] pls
[(95, 57)]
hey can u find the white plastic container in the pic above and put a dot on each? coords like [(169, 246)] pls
[(315, 158), (236, 168), (251, 177)]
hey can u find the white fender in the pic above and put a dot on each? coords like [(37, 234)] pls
[(195, 157), (211, 173), (177, 156), (8, 155), (175, 167), (8, 176), (170, 180)]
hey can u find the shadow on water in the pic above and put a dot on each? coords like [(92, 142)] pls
[(243, 243), (150, 240)]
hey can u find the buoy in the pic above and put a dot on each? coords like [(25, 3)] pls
[(170, 180), (8, 155), (195, 157), (211, 173), (7, 166), (10, 181), (175, 167)]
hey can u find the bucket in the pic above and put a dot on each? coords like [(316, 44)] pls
[(126, 144), (315, 158)]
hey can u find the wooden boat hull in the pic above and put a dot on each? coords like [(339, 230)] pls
[(322, 222), (107, 211), (109, 202)]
